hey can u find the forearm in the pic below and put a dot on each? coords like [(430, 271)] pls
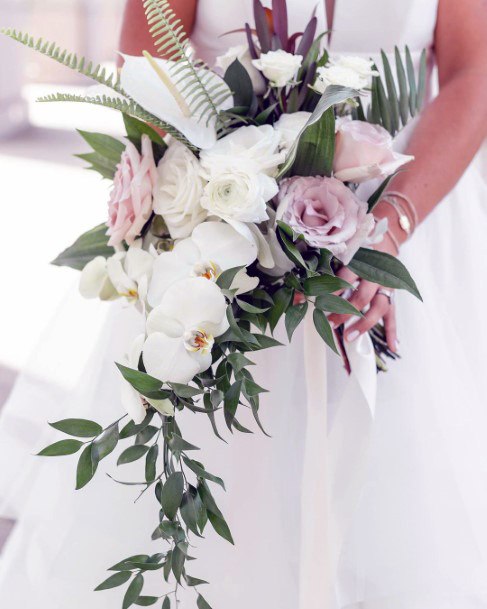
[(445, 140)]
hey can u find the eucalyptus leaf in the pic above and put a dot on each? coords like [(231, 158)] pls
[(146, 601), (177, 563), (166, 603), (220, 527)]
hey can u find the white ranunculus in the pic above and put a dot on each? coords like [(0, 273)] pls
[(213, 248), (242, 53), (346, 71), (134, 403), (178, 190), (260, 145), (182, 328), (160, 89), (239, 194), (278, 66), (289, 127)]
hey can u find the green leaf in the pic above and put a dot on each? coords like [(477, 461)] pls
[(145, 384), (392, 93), (132, 429), (146, 434), (403, 87), (384, 107), (412, 82), (146, 601), (189, 512), (105, 145), (421, 81), (172, 494), (106, 443), (201, 603), (238, 361), (176, 443), (166, 603), (238, 79), (383, 269), (294, 316), (127, 563), (133, 591), (194, 581), (282, 300), (61, 448), (178, 560), (117, 579), (316, 149), (81, 428), (333, 95), (251, 388), (185, 391), (136, 129), (221, 527), (151, 462), (324, 284), (290, 249), (132, 453), (200, 471), (377, 194), (99, 163), (225, 280), (87, 467), (323, 328), (334, 304), (232, 397), (249, 308), (90, 245)]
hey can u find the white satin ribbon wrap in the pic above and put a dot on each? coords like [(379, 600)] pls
[(334, 463)]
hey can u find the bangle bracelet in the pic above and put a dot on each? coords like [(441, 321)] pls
[(409, 204), (393, 238), (404, 221)]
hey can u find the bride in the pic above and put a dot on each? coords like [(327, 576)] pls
[(416, 537)]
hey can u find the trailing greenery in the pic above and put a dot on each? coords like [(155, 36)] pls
[(64, 57), (393, 105), (171, 42)]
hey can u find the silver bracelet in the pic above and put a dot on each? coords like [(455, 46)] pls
[(404, 221), (409, 204)]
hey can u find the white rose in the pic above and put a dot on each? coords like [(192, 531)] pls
[(289, 127), (178, 190), (278, 66), (346, 71), (257, 144), (239, 194), (242, 53)]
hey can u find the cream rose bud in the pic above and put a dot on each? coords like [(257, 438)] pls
[(327, 213), (178, 190), (242, 53), (346, 71), (278, 66), (289, 126), (364, 151)]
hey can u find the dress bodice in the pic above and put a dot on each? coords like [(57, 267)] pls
[(360, 27)]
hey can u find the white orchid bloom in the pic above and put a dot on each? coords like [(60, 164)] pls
[(134, 403), (213, 247), (154, 85), (123, 275), (182, 329)]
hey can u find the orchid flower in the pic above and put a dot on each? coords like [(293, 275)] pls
[(213, 248), (134, 403), (157, 86), (182, 329)]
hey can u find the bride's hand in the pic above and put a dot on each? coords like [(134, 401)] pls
[(373, 294)]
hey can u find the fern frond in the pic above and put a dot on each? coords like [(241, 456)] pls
[(70, 60), (171, 41), (128, 107)]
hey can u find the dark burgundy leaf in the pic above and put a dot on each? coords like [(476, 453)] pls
[(308, 38), (261, 27), (279, 14), (250, 40)]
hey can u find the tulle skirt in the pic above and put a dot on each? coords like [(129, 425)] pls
[(417, 538)]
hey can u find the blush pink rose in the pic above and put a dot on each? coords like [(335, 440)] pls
[(326, 213), (130, 204), (364, 151)]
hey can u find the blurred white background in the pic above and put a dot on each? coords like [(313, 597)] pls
[(47, 197)]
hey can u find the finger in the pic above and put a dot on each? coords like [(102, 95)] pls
[(390, 328), (359, 299), (347, 275), (298, 298), (379, 307)]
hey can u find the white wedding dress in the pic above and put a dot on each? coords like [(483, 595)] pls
[(409, 532)]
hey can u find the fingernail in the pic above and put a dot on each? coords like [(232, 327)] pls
[(396, 345), (333, 325), (353, 336)]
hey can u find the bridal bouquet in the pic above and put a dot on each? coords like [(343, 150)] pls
[(235, 189)]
